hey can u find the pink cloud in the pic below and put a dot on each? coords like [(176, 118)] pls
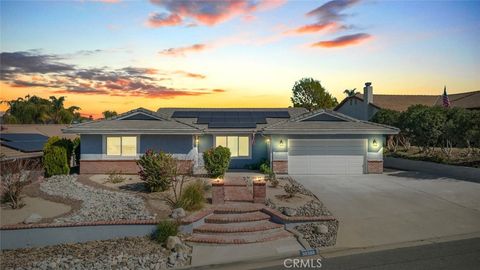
[(343, 41), (210, 13), (163, 19), (181, 51)]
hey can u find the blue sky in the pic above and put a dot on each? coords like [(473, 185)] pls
[(246, 50)]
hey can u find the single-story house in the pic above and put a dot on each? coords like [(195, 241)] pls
[(293, 140), (356, 106)]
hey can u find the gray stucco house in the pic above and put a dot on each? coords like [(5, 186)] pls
[(293, 140)]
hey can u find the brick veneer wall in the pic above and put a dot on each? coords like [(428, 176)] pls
[(259, 192), (375, 166), (280, 166), (122, 166), (218, 192)]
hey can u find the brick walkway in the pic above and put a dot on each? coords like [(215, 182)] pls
[(236, 190)]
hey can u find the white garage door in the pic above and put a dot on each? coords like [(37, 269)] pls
[(326, 156)]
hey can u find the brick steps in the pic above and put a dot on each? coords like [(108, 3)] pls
[(235, 218), (246, 238), (241, 227), (232, 208)]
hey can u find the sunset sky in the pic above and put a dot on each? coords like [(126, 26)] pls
[(120, 55)]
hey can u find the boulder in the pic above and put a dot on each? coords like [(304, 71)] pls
[(321, 228), (178, 213), (33, 218), (289, 212), (172, 242), (180, 248)]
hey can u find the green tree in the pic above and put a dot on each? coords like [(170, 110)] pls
[(36, 110), (351, 92), (310, 94), (109, 114)]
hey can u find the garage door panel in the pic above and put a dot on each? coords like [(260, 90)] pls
[(345, 157)]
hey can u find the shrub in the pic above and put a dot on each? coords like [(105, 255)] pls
[(291, 190), (157, 170), (115, 177), (193, 196), (166, 228), (216, 161), (15, 176), (55, 160), (76, 150), (265, 169), (272, 178)]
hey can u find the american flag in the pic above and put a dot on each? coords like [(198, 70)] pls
[(446, 101)]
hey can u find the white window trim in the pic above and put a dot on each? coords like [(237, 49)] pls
[(119, 157), (236, 135)]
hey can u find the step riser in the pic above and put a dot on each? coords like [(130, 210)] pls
[(225, 221), (216, 240), (237, 230)]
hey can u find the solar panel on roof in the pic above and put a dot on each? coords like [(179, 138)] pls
[(231, 125), (23, 137), (25, 146), (231, 119)]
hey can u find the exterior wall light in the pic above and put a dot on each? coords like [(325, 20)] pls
[(267, 140), (197, 140), (281, 143), (374, 143)]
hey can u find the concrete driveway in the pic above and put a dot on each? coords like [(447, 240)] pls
[(397, 207)]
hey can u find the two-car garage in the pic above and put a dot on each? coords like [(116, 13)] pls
[(321, 156)]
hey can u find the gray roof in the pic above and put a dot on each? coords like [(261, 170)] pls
[(345, 125), (161, 125), (168, 112)]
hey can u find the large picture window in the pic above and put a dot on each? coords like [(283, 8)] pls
[(125, 146), (239, 145)]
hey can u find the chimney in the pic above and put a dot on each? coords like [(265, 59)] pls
[(367, 99)]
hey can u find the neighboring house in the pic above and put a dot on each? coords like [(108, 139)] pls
[(355, 106), (21, 141), (293, 140)]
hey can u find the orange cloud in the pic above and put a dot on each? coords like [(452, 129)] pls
[(181, 51), (161, 19), (190, 74), (209, 12), (314, 28), (219, 90), (343, 41)]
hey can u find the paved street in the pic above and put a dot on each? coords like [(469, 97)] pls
[(397, 206), (459, 255)]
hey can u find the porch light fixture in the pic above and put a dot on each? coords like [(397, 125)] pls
[(374, 143), (267, 140), (281, 143), (197, 140)]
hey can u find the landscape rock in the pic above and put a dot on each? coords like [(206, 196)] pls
[(289, 212), (178, 213), (97, 204), (33, 218), (310, 233), (126, 253), (172, 242), (321, 229)]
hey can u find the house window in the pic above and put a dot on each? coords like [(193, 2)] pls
[(124, 146), (239, 145)]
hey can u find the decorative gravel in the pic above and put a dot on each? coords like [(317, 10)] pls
[(97, 204), (316, 239), (127, 253), (301, 189)]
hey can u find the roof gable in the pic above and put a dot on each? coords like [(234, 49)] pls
[(140, 116)]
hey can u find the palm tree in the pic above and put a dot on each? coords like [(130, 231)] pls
[(350, 93)]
